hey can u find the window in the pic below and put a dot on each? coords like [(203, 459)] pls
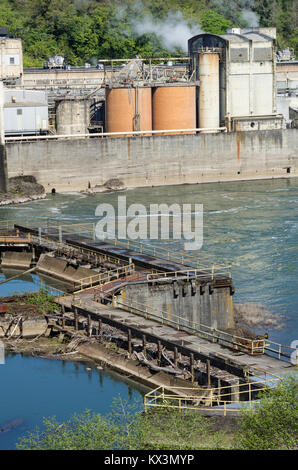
[(19, 112), (11, 60)]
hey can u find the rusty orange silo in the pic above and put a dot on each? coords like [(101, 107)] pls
[(174, 107), (128, 109)]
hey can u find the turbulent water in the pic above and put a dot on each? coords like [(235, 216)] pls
[(252, 225)]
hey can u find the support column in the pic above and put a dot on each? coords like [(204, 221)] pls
[(208, 373), (76, 318), (3, 158), (191, 364), (158, 353), (129, 342), (144, 340), (175, 357)]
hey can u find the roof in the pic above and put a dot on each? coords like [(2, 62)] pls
[(24, 104), (234, 37), (257, 37)]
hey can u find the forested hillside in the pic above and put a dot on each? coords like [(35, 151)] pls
[(88, 30)]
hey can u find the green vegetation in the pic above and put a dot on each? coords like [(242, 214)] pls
[(95, 29), (274, 425), (41, 302)]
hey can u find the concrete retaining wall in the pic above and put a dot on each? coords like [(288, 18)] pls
[(16, 259), (77, 164), (59, 268), (213, 308)]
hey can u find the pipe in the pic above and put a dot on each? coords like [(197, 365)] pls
[(107, 134)]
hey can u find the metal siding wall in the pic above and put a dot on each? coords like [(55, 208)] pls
[(262, 94), (239, 95)]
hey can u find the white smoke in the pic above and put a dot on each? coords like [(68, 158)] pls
[(251, 18), (173, 30)]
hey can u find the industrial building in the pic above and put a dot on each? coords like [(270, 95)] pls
[(11, 59), (231, 83), (228, 83), (236, 79), (25, 112)]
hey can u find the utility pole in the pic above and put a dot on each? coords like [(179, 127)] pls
[(3, 160)]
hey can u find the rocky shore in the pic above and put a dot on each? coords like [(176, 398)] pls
[(22, 189)]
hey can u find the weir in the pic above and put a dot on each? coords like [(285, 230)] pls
[(176, 319)]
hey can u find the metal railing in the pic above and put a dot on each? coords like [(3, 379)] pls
[(252, 347), (14, 239), (102, 278), (170, 255), (192, 273), (235, 342), (282, 350), (197, 261), (223, 399)]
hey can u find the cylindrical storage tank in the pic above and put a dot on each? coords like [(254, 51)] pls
[(72, 116), (209, 90), (174, 107), (128, 109)]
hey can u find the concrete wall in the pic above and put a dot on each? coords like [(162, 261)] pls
[(195, 307), (71, 164), (11, 58)]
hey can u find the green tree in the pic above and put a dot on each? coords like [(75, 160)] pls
[(214, 23), (274, 423)]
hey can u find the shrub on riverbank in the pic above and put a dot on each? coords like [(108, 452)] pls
[(274, 425)]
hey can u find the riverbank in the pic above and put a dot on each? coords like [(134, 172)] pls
[(22, 189)]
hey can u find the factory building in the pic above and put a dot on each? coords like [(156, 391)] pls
[(25, 112), (235, 74), (11, 59), (231, 83)]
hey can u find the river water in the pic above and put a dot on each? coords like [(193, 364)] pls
[(252, 225)]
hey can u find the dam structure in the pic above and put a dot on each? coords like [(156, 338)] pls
[(148, 124), (172, 312)]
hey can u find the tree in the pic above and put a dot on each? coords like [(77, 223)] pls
[(274, 423), (214, 23)]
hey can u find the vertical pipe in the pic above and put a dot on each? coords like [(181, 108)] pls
[(209, 90)]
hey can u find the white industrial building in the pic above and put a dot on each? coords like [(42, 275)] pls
[(25, 112), (236, 78)]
